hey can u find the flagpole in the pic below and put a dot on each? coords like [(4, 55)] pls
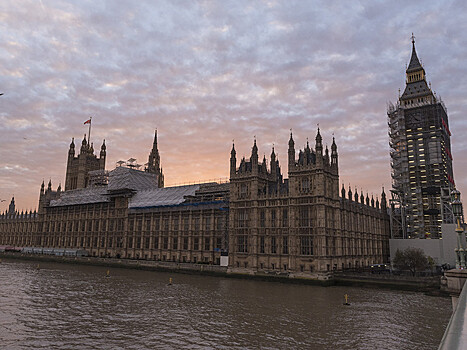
[(89, 135)]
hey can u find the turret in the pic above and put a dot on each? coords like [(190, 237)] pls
[(334, 155), (254, 158), (154, 162), (273, 164), (291, 153), (343, 192), (84, 145), (49, 186), (233, 161), (383, 201), (71, 151), (102, 155), (319, 150), (350, 193), (11, 207), (264, 168), (42, 187)]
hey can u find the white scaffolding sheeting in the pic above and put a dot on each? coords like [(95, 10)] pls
[(162, 196)]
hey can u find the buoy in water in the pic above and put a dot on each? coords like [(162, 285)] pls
[(346, 299), (107, 274), (170, 281), (37, 267)]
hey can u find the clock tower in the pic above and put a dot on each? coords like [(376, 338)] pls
[(421, 160)]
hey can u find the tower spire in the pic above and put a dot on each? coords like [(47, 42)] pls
[(154, 162)]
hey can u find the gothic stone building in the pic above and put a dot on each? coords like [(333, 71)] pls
[(301, 224), (263, 222)]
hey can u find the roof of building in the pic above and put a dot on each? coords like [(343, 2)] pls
[(414, 61), (126, 178), (416, 89), (162, 196), (81, 196)]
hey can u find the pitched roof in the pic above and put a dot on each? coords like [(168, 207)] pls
[(132, 179), (81, 196), (162, 196), (414, 62)]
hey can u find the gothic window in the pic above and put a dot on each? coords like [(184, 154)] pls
[(196, 244), (305, 185), (185, 243), (304, 217), (262, 218), (285, 219), (220, 223), (242, 244), (261, 244), (306, 245), (207, 223), (242, 218), (207, 243), (119, 224), (175, 243), (285, 245), (273, 217), (273, 245), (146, 243), (243, 190)]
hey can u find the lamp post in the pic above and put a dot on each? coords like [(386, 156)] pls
[(456, 205)]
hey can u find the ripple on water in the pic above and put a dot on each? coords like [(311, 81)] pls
[(76, 307)]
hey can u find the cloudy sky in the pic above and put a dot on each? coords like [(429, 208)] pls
[(206, 72)]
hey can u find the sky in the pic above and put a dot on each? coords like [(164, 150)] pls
[(205, 73)]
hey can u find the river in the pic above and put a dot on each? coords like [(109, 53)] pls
[(60, 306)]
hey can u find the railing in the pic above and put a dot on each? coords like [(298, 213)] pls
[(455, 336), (222, 180)]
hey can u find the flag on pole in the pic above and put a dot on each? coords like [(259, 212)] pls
[(87, 122)]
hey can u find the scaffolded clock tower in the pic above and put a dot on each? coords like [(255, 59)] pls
[(421, 160)]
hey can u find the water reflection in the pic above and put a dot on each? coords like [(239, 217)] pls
[(77, 307)]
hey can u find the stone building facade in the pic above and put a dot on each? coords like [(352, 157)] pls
[(79, 167), (301, 224), (265, 223)]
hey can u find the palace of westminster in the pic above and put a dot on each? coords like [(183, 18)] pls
[(263, 222)]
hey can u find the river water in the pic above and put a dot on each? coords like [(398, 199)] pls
[(61, 306)]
